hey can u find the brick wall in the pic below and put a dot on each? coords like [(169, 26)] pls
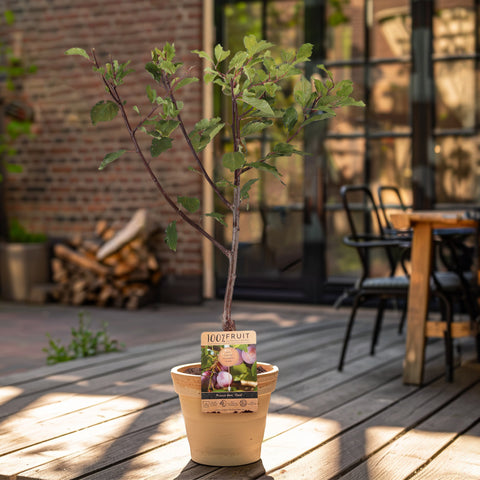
[(60, 190)]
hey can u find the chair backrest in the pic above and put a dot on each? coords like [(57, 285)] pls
[(366, 227), (362, 212), (389, 199)]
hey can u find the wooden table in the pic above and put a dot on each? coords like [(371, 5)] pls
[(423, 224), (116, 416)]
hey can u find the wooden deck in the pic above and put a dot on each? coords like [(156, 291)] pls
[(117, 417)]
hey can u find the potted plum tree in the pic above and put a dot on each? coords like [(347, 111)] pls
[(251, 80)]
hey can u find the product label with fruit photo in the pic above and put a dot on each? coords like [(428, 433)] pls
[(229, 373)]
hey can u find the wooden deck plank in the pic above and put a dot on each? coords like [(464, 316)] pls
[(137, 351), (198, 471), (459, 461), (369, 363), (383, 409), (146, 466), (90, 379), (314, 410), (416, 447), (102, 400)]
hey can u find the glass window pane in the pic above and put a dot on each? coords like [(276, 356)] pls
[(271, 225), (345, 30), (341, 260), (285, 23), (345, 164), (271, 243), (455, 90), (391, 160), (454, 27), (457, 176), (392, 28), (240, 19), (390, 98)]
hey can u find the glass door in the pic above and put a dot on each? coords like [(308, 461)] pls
[(416, 66), (271, 256)]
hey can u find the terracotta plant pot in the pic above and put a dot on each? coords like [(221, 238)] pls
[(223, 439)]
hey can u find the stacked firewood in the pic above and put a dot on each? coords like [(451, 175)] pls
[(112, 268)]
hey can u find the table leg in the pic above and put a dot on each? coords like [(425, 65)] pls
[(418, 297)]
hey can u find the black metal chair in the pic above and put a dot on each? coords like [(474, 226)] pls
[(368, 234), (390, 200), (452, 254), (361, 211)]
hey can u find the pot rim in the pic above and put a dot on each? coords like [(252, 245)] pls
[(177, 370)]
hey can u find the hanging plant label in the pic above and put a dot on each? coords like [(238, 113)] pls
[(229, 372)]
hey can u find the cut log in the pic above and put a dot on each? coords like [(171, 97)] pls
[(62, 251), (123, 275), (133, 228)]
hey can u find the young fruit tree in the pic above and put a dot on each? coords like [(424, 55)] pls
[(251, 79)]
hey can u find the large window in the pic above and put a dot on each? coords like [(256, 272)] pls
[(415, 63), (271, 228)]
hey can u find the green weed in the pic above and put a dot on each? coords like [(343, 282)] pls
[(84, 343)]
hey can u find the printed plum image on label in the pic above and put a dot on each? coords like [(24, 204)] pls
[(229, 372)]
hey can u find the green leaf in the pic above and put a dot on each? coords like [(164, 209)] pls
[(220, 53), (111, 157), (171, 236), (304, 52), (218, 217), (185, 81), (318, 117), (77, 51), (327, 72), (250, 42), (259, 104), (344, 88), (204, 131), (283, 149), (151, 94), (253, 47), (154, 70), (254, 127), (287, 56), (266, 167), (203, 54), (238, 60), (103, 111), (166, 127), (290, 118), (209, 77), (303, 92), (246, 188), (233, 160), (320, 87), (159, 145), (191, 204)]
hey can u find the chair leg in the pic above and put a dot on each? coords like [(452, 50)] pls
[(477, 344), (402, 319), (448, 355), (448, 316), (356, 304), (378, 325)]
